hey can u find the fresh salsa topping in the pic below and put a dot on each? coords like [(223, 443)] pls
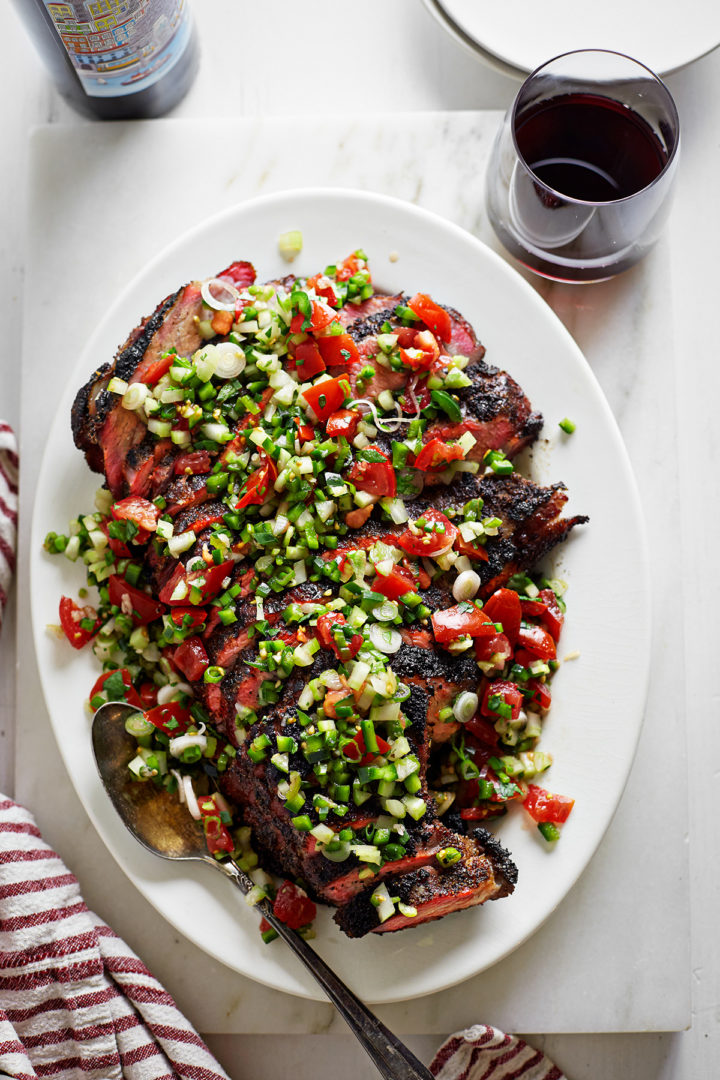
[(270, 427)]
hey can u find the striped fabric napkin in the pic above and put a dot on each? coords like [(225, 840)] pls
[(8, 510), (75, 1001), (482, 1052)]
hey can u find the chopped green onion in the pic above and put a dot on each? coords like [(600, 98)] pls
[(548, 831)]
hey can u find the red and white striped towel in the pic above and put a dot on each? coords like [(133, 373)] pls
[(483, 1052), (75, 1001), (8, 510)]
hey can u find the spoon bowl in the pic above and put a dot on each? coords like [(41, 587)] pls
[(163, 825), (159, 822)]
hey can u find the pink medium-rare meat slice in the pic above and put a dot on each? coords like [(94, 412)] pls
[(531, 525), (427, 840), (463, 339), (254, 784), (109, 433), (355, 313), (493, 408), (483, 872)]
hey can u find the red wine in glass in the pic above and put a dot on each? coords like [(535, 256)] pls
[(589, 147), (579, 179)]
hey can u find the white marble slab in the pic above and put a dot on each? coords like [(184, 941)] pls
[(102, 200)]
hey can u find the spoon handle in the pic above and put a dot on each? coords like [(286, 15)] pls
[(390, 1056)]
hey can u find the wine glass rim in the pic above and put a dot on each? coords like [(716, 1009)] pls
[(672, 109)]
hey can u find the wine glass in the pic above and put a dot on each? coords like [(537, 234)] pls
[(580, 175)]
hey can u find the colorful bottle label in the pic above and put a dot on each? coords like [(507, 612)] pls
[(121, 46)]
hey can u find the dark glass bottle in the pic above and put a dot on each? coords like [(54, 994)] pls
[(115, 59)]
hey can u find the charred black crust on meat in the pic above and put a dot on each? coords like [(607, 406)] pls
[(427, 885), (372, 324), (414, 661), (128, 360), (84, 428), (500, 856), (88, 414)]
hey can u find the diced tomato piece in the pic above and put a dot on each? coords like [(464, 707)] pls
[(306, 432), (434, 317), (436, 454), (307, 360), (436, 532), (539, 693), (504, 607), (537, 641), (222, 322), (452, 623), (405, 336), (259, 485), (483, 730), (542, 805), (293, 906), (140, 511), (208, 582), (327, 397), (338, 350), (171, 718), (476, 813), (333, 698), (155, 371), (147, 692), (508, 693), (364, 756), (343, 422), (217, 834), (188, 618), (324, 628), (324, 287), (423, 578), (134, 602), (321, 317), (204, 520), (532, 608), (375, 477), (194, 462), (418, 389), (129, 693), (118, 547), (71, 615), (473, 551), (191, 658), (348, 267), (496, 646), (394, 585), (427, 341), (241, 274), (552, 617), (345, 650), (547, 609), (417, 359)]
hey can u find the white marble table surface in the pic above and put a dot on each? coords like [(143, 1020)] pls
[(430, 72)]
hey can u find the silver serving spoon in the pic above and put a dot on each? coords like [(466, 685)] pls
[(164, 827)]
